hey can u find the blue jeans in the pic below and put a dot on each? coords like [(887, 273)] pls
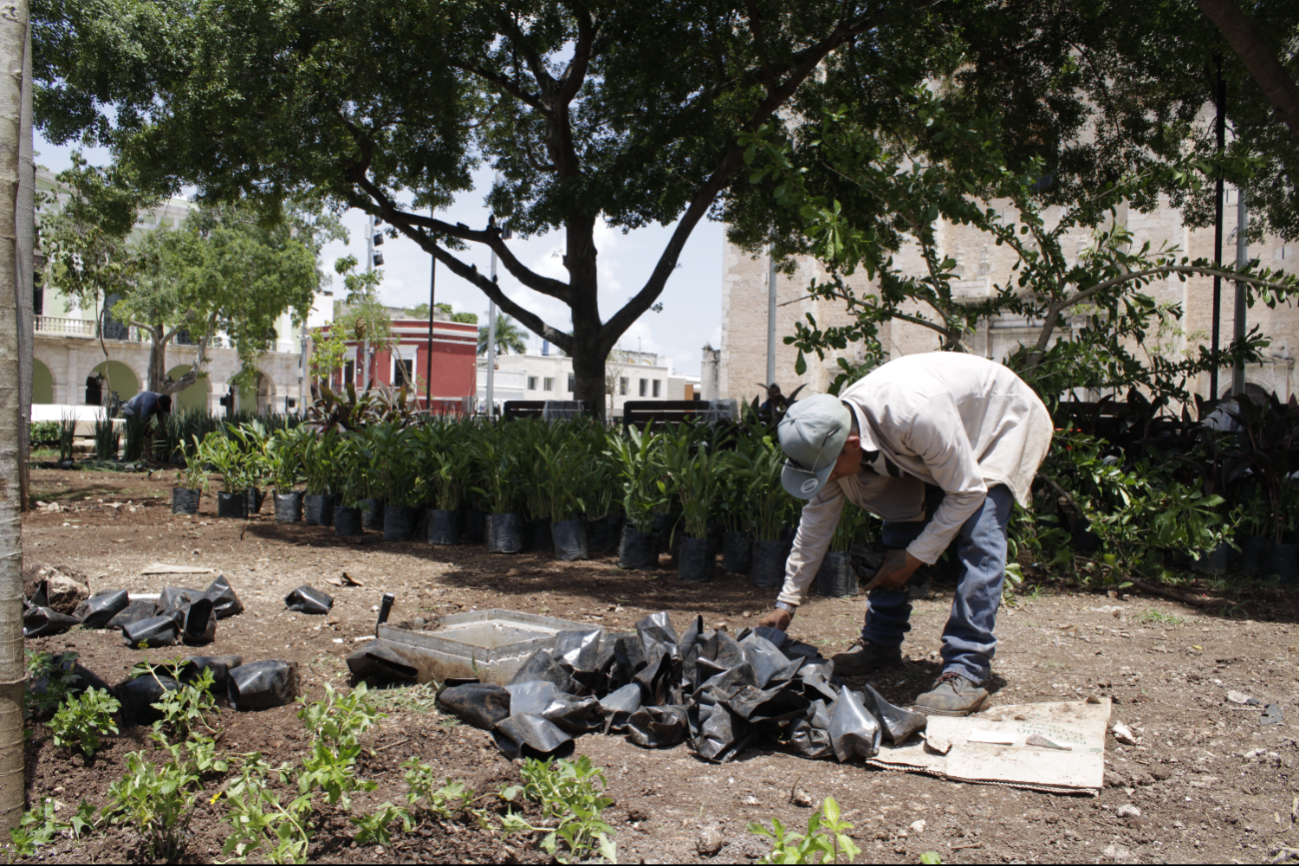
[(968, 640)]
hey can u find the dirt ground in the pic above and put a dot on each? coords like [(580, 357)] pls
[(1210, 782)]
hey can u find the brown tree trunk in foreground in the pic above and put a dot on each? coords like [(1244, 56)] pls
[(1263, 66), (13, 40)]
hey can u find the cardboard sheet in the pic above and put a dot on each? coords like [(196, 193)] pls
[(164, 568), (948, 751)]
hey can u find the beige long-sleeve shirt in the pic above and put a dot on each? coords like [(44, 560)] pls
[(957, 421)]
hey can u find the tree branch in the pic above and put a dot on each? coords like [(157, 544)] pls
[(1252, 50)]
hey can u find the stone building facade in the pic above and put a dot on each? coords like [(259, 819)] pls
[(741, 362)]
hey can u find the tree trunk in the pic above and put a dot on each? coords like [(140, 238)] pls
[(25, 225), (13, 37), (1252, 49), (157, 359)]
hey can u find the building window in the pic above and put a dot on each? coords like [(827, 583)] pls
[(403, 372), (656, 389), (622, 385), (548, 384), (532, 383), (644, 387), (570, 383)]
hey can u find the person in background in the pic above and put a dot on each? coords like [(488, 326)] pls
[(967, 428), (152, 409), (775, 401), (95, 389)]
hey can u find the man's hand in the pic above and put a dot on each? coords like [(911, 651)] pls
[(896, 570), (776, 619)]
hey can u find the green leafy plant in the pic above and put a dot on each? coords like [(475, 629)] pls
[(638, 456), (83, 720), (567, 793), (423, 793), (259, 822), (284, 458), (194, 475), (825, 841), (373, 829), (107, 439), (157, 801), (40, 827), (694, 469), (67, 435), (59, 679), (335, 724)]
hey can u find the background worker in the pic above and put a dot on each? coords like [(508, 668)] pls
[(963, 424), (145, 406)]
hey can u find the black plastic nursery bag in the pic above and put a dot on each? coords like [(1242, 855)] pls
[(262, 685), (99, 609), (479, 704), (308, 599)]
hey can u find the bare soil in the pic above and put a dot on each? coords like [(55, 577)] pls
[(1211, 783)]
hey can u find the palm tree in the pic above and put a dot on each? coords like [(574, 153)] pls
[(509, 337)]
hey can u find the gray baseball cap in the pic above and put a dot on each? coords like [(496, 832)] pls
[(812, 435)]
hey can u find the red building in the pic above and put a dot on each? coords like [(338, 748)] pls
[(448, 382)]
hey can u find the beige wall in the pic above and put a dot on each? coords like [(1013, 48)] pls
[(980, 265)]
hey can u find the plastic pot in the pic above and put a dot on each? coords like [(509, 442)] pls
[(262, 685), (475, 526), (836, 577), (199, 627), (372, 513), (570, 540), (133, 612), (1284, 562), (445, 527), (184, 500), (255, 499), (737, 552), (288, 507), (603, 533), (663, 527), (1255, 553), (694, 559), (399, 522), (39, 621), (1216, 562), (232, 505), (139, 695), (318, 509), (639, 550), (536, 536), (504, 533), (347, 521), (769, 563), (225, 602), (193, 666)]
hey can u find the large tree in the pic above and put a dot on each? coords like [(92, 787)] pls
[(588, 110), (226, 269)]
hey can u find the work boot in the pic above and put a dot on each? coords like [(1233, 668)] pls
[(952, 695), (866, 658)]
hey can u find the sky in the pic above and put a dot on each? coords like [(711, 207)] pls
[(691, 301)]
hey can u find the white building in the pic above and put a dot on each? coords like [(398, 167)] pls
[(68, 348), (629, 376)]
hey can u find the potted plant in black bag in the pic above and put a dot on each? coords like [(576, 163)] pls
[(603, 495), (185, 497), (564, 468), (500, 453), (227, 459), (351, 468), (394, 470), (320, 455), (284, 463), (836, 578), (771, 510), (537, 490), (444, 469), (638, 458), (695, 469)]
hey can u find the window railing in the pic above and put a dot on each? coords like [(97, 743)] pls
[(86, 328)]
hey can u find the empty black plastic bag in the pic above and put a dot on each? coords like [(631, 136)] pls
[(45, 621), (225, 602), (524, 735), (133, 612), (570, 713), (579, 649), (262, 685), (658, 727), (898, 723), (99, 609), (720, 732), (378, 659), (770, 665), (199, 627), (479, 704), (542, 665), (854, 733), (174, 598), (154, 631), (617, 707), (308, 599)]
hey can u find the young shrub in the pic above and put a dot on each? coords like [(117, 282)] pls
[(568, 796), (84, 719), (39, 828), (826, 839)]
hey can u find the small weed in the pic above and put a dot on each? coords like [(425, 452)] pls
[(83, 720), (373, 829), (59, 680), (40, 827), (567, 793), (335, 724), (1053, 665), (411, 699), (1158, 616), (440, 802), (825, 841), (931, 858)]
